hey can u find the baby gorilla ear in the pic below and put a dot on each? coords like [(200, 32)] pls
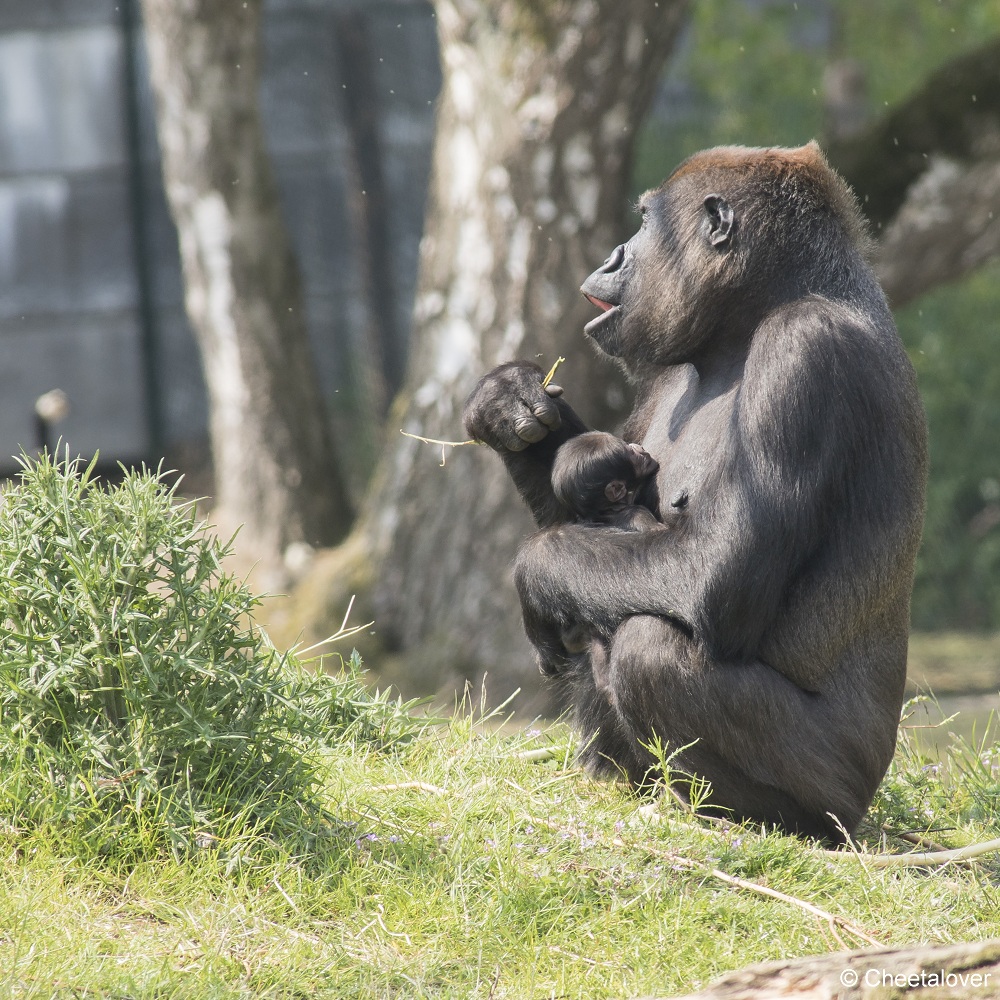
[(616, 491)]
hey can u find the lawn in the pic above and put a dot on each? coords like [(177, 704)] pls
[(187, 812), (456, 866)]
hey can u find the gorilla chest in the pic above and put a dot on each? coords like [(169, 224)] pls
[(689, 435)]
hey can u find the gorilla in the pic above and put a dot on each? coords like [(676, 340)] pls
[(762, 637), (601, 479)]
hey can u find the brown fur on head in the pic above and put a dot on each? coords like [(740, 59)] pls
[(803, 172), (732, 235)]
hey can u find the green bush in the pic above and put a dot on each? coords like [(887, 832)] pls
[(137, 697)]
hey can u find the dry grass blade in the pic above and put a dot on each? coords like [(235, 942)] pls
[(552, 372)]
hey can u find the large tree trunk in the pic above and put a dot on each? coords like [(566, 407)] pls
[(536, 125), (274, 467), (948, 226)]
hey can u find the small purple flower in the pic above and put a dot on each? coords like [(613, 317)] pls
[(619, 826)]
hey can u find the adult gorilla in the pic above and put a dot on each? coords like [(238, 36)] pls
[(766, 631)]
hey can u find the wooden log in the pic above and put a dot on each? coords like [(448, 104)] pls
[(927, 972)]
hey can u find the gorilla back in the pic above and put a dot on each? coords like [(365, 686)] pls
[(766, 632)]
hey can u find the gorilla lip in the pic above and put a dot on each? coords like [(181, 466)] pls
[(608, 311)]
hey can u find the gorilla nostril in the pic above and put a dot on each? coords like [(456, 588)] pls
[(614, 261)]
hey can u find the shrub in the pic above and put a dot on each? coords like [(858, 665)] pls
[(137, 697)]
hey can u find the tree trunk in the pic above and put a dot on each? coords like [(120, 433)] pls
[(274, 467), (947, 227), (954, 113), (536, 125)]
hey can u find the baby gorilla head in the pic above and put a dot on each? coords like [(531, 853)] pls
[(596, 476)]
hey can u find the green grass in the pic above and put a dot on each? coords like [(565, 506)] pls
[(950, 663), (187, 812), (458, 869)]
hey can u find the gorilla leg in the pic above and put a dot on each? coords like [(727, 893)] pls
[(608, 746), (772, 752)]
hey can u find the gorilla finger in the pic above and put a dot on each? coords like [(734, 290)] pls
[(548, 413), (530, 430), (507, 437), (554, 390)]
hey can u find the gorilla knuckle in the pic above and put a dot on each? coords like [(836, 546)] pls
[(547, 413)]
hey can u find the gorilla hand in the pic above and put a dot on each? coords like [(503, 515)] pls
[(510, 409)]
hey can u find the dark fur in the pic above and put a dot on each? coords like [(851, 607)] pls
[(769, 626), (600, 479)]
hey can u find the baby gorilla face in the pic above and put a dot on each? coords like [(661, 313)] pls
[(644, 467)]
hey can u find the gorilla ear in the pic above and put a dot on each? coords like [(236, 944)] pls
[(720, 219), (616, 491)]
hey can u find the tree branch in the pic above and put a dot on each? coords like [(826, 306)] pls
[(928, 176), (956, 113), (931, 971), (948, 226)]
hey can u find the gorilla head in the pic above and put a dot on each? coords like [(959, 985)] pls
[(727, 238)]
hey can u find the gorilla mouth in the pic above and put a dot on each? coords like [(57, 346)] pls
[(609, 312), (603, 306)]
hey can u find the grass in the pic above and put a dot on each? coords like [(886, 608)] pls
[(139, 704), (185, 812), (459, 869)]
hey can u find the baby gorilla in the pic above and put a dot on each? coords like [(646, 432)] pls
[(600, 479)]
